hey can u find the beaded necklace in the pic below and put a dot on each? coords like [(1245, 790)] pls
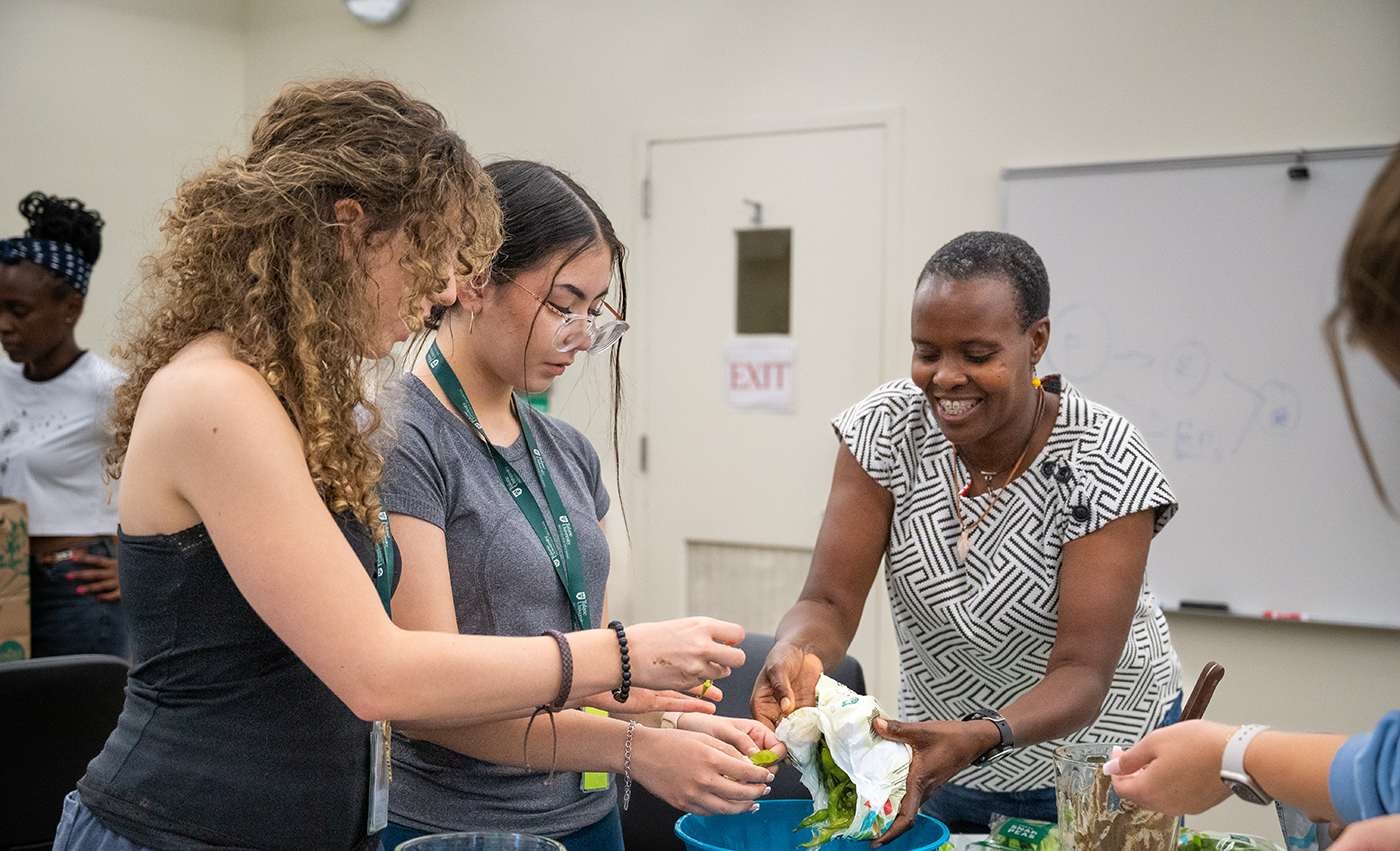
[(964, 545)]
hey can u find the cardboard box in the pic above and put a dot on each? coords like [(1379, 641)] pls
[(14, 580)]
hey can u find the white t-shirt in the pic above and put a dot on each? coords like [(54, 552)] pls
[(53, 436), (977, 635)]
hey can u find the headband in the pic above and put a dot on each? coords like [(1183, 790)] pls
[(58, 257)]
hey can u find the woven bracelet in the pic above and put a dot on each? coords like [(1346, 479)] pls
[(621, 694), (566, 662), (566, 684)]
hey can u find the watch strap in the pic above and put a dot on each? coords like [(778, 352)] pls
[(1001, 748), (1232, 772)]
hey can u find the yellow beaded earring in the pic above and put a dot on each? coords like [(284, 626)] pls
[(1035, 380)]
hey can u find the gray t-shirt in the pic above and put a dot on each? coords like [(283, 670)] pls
[(503, 584)]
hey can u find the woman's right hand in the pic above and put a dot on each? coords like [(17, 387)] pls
[(697, 773), (788, 681), (682, 654)]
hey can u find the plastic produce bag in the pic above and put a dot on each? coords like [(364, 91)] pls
[(878, 768), (1203, 840)]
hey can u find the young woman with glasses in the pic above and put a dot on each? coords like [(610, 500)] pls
[(498, 510)]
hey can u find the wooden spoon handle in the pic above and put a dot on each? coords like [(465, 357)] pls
[(1201, 694)]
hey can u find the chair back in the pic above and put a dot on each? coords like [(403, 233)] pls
[(58, 712), (649, 822)]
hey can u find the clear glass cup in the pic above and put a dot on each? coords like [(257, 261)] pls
[(488, 841), (1093, 817)]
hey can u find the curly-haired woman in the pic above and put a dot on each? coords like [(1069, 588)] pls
[(54, 399), (256, 566)]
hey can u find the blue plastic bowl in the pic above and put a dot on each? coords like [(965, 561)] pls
[(771, 829)]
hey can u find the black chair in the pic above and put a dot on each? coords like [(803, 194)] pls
[(58, 712), (648, 824)]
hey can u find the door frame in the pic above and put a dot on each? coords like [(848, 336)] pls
[(887, 119)]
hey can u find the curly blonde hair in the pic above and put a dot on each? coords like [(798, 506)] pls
[(253, 249)]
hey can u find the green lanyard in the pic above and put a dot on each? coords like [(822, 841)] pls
[(568, 564), (384, 560)]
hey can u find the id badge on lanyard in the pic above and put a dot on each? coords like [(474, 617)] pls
[(380, 735)]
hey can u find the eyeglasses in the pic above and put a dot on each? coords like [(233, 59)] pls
[(583, 331)]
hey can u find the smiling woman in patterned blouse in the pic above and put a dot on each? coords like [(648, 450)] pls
[(1015, 517)]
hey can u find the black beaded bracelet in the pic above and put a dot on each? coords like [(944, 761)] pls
[(621, 694)]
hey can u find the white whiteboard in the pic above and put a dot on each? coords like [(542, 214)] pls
[(1188, 295)]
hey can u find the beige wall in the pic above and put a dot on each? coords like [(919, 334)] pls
[(109, 100)]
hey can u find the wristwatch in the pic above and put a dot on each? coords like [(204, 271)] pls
[(1000, 749), (1232, 772)]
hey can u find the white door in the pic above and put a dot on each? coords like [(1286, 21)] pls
[(732, 499)]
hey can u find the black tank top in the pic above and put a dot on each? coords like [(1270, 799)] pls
[(226, 739)]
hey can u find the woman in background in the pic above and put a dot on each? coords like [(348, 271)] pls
[(1342, 780), (54, 400), (546, 298), (256, 566)]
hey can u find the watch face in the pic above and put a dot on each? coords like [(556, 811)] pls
[(1245, 791)]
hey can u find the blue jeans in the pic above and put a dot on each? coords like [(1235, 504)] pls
[(605, 834), (63, 622), (966, 810), (79, 830)]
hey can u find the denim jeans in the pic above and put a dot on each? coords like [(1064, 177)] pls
[(966, 810), (605, 834), (63, 622), (79, 830)]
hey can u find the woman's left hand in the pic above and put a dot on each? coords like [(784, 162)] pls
[(644, 700), (941, 750), (100, 581), (745, 735)]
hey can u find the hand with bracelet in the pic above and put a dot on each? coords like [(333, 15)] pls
[(1177, 769), (700, 764)]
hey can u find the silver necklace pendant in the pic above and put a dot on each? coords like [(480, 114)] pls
[(964, 546)]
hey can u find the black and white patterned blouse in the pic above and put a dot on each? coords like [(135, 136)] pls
[(978, 635)]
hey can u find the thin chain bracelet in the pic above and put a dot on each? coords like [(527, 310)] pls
[(627, 766)]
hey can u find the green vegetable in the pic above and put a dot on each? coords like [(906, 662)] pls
[(841, 800), (763, 757), (814, 818), (825, 835)]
